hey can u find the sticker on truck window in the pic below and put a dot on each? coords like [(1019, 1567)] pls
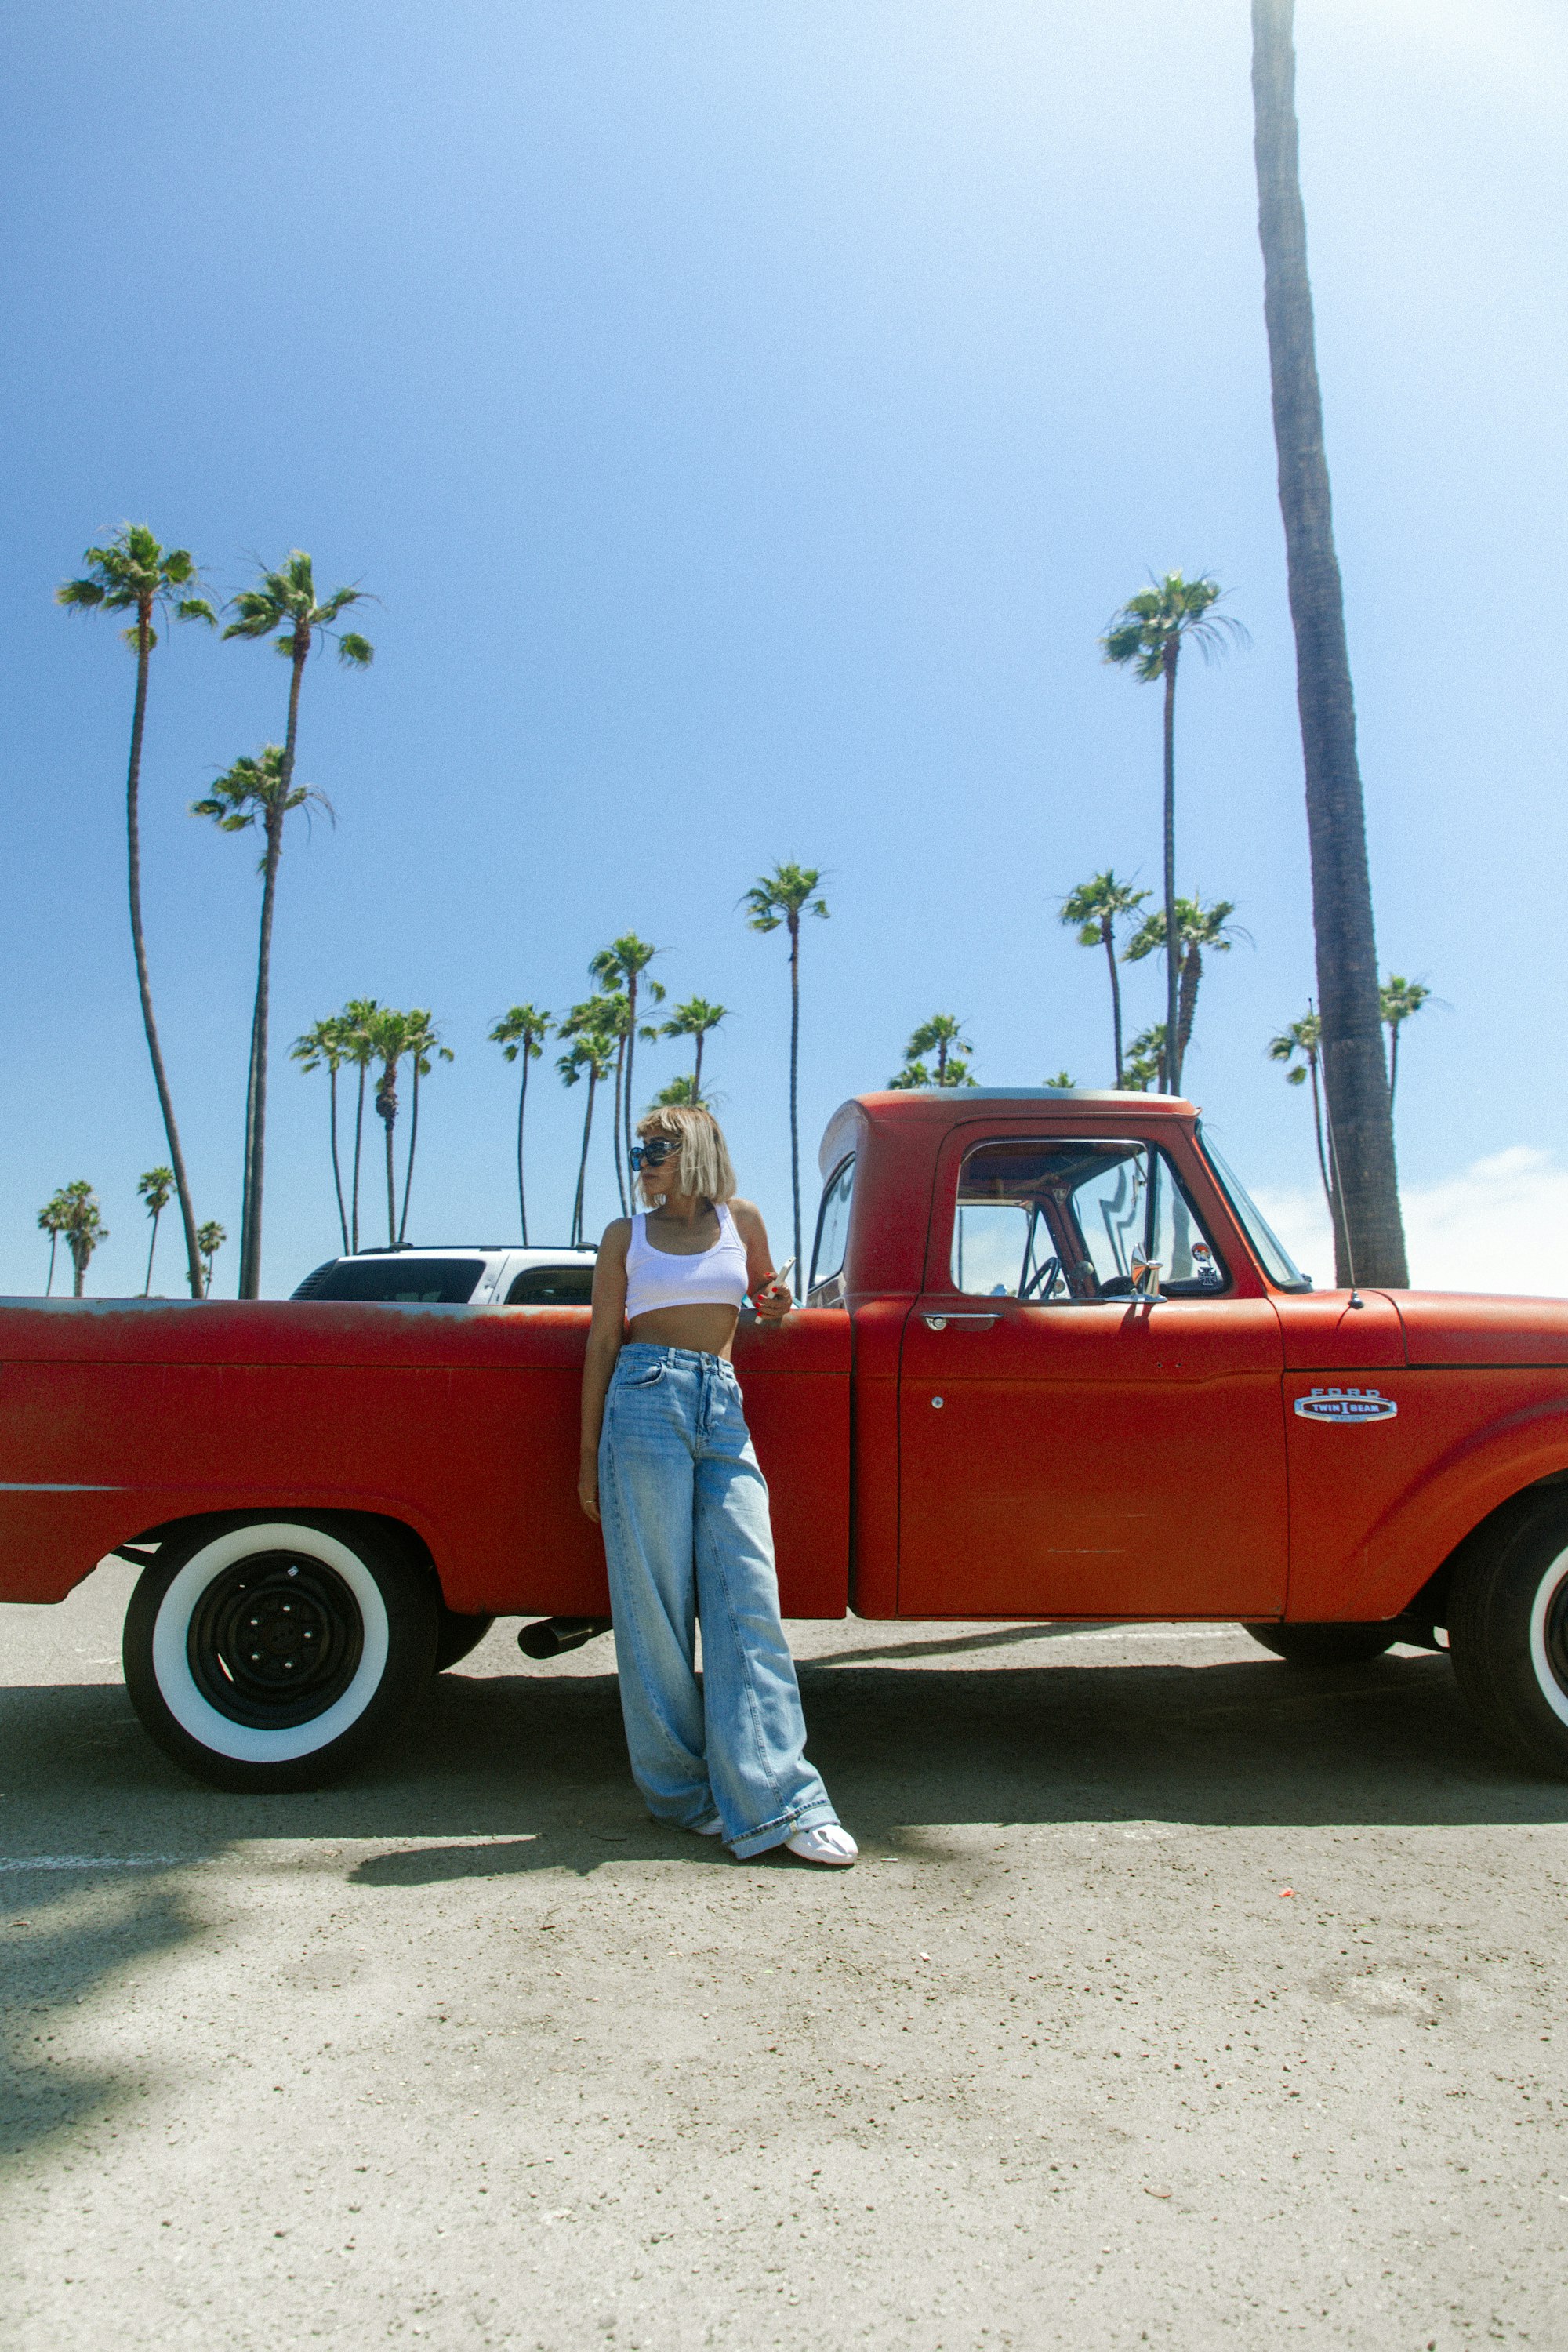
[(1346, 1404)]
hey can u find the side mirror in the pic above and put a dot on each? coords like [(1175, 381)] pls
[(1146, 1279)]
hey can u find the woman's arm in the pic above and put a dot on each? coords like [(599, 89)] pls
[(606, 1334), (772, 1305)]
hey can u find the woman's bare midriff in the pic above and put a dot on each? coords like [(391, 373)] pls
[(709, 1329)]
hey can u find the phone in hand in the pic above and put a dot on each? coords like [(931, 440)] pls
[(780, 1280)]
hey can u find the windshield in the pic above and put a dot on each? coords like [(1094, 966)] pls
[(397, 1280), (1277, 1263)]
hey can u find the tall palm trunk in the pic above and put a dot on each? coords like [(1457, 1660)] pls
[(337, 1164), (1393, 1065), (697, 1073), (255, 1085), (1370, 1236), (521, 1107), (151, 1252), (256, 1093), (623, 1087), (1107, 934), (359, 1147), (49, 1285), (408, 1165), (1172, 941), (387, 1111), (631, 1053), (1187, 1003), (138, 942), (583, 1165), (1317, 1130), (795, 1084), (78, 1274)]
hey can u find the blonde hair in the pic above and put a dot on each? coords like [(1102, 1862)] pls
[(703, 1166)]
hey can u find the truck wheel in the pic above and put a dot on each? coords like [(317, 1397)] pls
[(1508, 1632), (455, 1636), (1324, 1645), (273, 1654)]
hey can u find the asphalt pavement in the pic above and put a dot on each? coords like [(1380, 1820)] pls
[(1180, 1998)]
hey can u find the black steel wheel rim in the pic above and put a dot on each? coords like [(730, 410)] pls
[(275, 1640)]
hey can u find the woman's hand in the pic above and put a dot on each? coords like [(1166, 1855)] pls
[(588, 1486), (774, 1301)]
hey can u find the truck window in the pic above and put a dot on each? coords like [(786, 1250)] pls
[(1062, 1222), (553, 1285), (1277, 1263), (397, 1280), (832, 1237)]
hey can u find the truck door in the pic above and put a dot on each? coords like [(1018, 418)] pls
[(1066, 1447)]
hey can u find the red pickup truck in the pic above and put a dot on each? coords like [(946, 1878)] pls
[(1053, 1364)]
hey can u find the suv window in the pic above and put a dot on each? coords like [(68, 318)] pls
[(553, 1285), (400, 1280), (831, 1234), (1062, 1222)]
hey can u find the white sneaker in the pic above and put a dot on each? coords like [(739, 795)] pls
[(828, 1845), (715, 1828)]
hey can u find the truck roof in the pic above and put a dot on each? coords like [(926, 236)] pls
[(897, 1106)]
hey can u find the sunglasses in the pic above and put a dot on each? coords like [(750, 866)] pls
[(654, 1152)]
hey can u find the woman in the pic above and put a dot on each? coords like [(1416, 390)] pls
[(668, 1470)]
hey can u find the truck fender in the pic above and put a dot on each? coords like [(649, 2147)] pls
[(1406, 1546)]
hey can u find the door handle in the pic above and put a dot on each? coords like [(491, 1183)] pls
[(965, 1322)]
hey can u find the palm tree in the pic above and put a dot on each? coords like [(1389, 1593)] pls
[(592, 1051), (1144, 1066), (388, 1036), (620, 967), (520, 1032), (424, 1048), (257, 791), (81, 1221), (211, 1237), (1399, 1000), (683, 1089), (942, 1035), (1094, 908), (1304, 1038), (1062, 1080), (325, 1043), (52, 1221), (608, 1015), (132, 574), (1355, 1082), (283, 605), (783, 896), (1197, 927), (1149, 633), (359, 1017), (156, 1189), (910, 1079), (693, 1019)]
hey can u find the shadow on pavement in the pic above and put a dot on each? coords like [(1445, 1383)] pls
[(508, 1775), (534, 1755)]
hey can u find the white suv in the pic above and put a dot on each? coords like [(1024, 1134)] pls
[(488, 1274)]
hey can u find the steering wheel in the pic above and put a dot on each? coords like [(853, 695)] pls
[(1039, 1283)]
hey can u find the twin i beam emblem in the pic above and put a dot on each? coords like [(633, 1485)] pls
[(1346, 1405)]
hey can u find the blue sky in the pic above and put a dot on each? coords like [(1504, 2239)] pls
[(748, 416)]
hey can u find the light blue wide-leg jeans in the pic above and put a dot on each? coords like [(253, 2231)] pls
[(687, 1536)]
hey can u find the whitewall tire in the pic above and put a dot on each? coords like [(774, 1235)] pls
[(1507, 1630), (271, 1653)]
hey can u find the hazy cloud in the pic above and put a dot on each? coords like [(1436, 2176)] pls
[(1500, 1224)]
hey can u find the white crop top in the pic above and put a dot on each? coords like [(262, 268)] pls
[(710, 1277)]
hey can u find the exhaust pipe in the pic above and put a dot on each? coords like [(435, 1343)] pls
[(552, 1636)]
